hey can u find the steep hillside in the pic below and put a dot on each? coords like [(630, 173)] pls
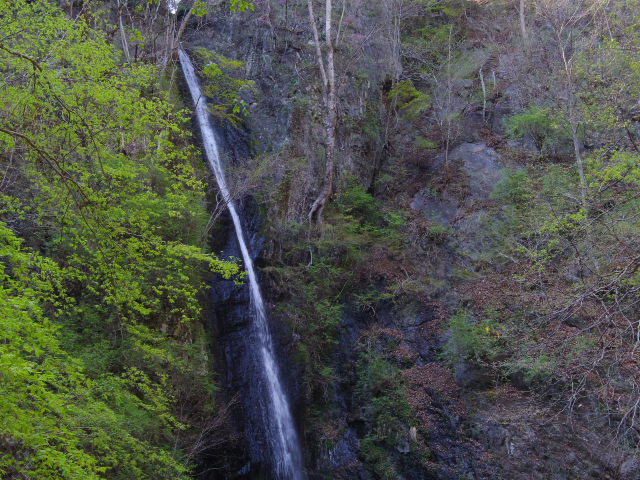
[(440, 198), (466, 308)]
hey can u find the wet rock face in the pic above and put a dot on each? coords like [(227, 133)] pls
[(341, 461), (471, 376), (231, 318), (630, 469), (238, 359)]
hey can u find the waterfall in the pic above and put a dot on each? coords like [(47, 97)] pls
[(280, 429)]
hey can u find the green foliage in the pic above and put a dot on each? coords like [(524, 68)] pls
[(425, 144), (381, 393), (315, 314), (324, 273), (538, 123), (242, 5), (469, 340), (358, 203), (620, 166), (515, 189), (437, 34), (200, 9), (360, 221), (450, 8), (534, 220), (223, 83), (101, 341), (58, 422), (538, 370), (412, 102), (377, 459)]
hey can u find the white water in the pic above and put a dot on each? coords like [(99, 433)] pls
[(173, 5), (283, 438)]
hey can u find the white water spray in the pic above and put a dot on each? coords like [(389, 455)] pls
[(173, 6), (283, 438)]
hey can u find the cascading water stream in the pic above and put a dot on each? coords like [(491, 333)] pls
[(281, 432)]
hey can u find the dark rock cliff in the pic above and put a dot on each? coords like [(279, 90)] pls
[(470, 434)]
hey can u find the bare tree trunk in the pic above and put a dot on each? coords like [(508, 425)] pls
[(578, 153), (574, 120), (316, 41), (395, 14), (183, 26), (173, 41), (123, 35), (344, 7), (448, 107), (329, 89), (484, 95), (523, 23)]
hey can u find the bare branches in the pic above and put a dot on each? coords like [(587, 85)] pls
[(213, 432), (51, 161), (24, 56)]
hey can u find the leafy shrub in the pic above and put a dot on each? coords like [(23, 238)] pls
[(469, 340), (381, 392), (361, 219), (377, 459), (359, 203), (539, 124), (515, 188), (412, 102), (423, 143)]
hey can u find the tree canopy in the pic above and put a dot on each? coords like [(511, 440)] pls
[(98, 338)]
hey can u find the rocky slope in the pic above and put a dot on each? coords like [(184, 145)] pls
[(464, 418)]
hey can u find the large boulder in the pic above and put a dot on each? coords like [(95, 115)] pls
[(469, 176), (480, 163), (471, 376)]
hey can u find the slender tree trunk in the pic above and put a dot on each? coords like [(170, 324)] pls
[(174, 40), (123, 35), (394, 13), (181, 29), (484, 95), (316, 41), (578, 154), (344, 7), (448, 108), (329, 82), (523, 23), (574, 120)]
